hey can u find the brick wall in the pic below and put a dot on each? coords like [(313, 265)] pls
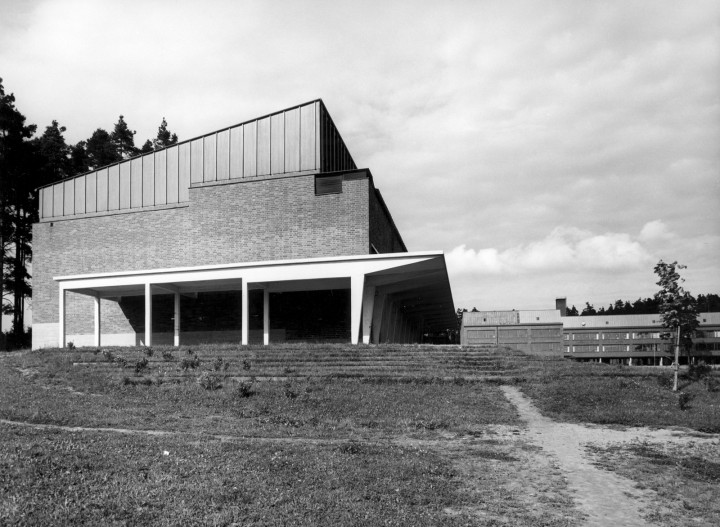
[(269, 219)]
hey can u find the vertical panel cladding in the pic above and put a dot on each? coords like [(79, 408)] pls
[(209, 158), (148, 164), (80, 195), (124, 186), (250, 149), (136, 182), (46, 196), (277, 143), (184, 172), (308, 137), (263, 147), (223, 155), (196, 161), (91, 192), (172, 174), (161, 177), (384, 236), (102, 190), (113, 187), (69, 201), (292, 140), (236, 152)]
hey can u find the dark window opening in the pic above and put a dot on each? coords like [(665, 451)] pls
[(328, 185)]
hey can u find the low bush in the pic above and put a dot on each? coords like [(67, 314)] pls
[(167, 355), (699, 371), (243, 390), (190, 363), (148, 351), (141, 365), (209, 380), (220, 365)]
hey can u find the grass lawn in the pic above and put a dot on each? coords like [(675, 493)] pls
[(323, 451), (624, 395), (685, 477)]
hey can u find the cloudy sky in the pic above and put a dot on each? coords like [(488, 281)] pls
[(550, 148)]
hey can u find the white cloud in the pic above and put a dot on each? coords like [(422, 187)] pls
[(655, 230), (563, 248)]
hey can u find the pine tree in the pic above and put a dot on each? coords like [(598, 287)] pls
[(164, 137), (101, 150), (124, 139), (17, 203)]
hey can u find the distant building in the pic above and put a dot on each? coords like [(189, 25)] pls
[(635, 339), (532, 331), (629, 339), (261, 232)]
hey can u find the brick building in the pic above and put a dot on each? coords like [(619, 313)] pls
[(628, 339), (263, 231)]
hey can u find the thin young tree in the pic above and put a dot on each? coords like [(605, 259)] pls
[(678, 309)]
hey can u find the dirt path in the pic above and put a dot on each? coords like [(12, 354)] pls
[(606, 498)]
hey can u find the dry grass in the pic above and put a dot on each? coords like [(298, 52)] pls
[(324, 451), (685, 477), (625, 395)]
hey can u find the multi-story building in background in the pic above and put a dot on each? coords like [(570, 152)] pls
[(628, 339)]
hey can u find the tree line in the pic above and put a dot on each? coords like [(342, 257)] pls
[(642, 306), (29, 161)]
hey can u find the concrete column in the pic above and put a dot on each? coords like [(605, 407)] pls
[(61, 319), (148, 315), (395, 322), (367, 312), (377, 318), (245, 313), (266, 316), (357, 283), (176, 319), (97, 320)]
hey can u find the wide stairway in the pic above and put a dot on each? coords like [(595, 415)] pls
[(402, 363)]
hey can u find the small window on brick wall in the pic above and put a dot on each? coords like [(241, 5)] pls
[(328, 185)]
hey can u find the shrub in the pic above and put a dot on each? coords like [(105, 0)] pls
[(290, 391), (96, 351), (167, 355), (220, 365), (70, 345), (699, 371), (121, 361), (244, 390), (148, 351), (190, 363), (141, 365), (246, 364), (684, 400), (209, 380), (108, 355)]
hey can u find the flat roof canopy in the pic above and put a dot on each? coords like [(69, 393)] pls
[(417, 283)]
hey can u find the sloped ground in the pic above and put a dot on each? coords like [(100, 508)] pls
[(447, 363), (345, 435)]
